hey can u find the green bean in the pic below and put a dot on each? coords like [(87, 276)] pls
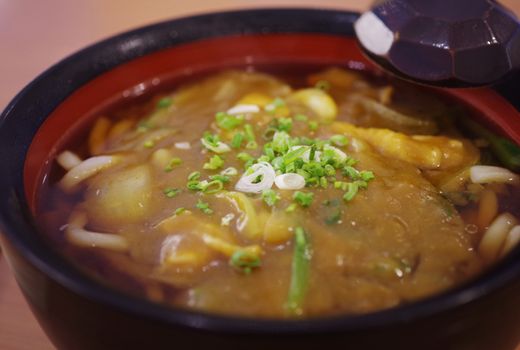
[(505, 150)]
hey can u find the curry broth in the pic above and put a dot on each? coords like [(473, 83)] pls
[(397, 240)]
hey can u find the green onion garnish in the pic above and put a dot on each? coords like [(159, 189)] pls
[(284, 124), (173, 163), (204, 207), (171, 192), (270, 197), (148, 144), (351, 172), (339, 140), (292, 207), (313, 125), (299, 273), (252, 145), (303, 199), (244, 262), (213, 187), (164, 102), (352, 190), (214, 163), (236, 142), (367, 175), (244, 157), (250, 134), (229, 171), (194, 176), (179, 211), (228, 121), (222, 178)]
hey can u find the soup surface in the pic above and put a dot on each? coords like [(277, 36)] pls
[(295, 195)]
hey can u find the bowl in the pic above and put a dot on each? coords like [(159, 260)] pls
[(76, 312)]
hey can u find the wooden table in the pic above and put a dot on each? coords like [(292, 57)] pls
[(36, 34)]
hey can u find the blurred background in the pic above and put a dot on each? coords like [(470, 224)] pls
[(34, 34)]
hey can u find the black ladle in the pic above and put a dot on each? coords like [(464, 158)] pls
[(451, 43)]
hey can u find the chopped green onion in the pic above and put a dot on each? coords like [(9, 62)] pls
[(179, 211), (299, 273), (171, 192), (313, 125), (148, 144), (252, 145), (281, 142), (244, 261), (204, 207), (213, 187), (284, 124), (228, 121), (236, 142), (329, 170), (222, 178), (323, 182), (367, 175), (164, 102), (275, 104), (339, 140), (270, 197), (194, 176), (244, 157), (229, 171), (352, 190), (361, 183), (250, 134), (269, 133), (351, 172), (214, 163), (292, 207), (292, 156), (213, 143), (350, 161), (196, 185), (303, 199), (173, 163)]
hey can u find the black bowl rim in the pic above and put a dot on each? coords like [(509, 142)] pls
[(33, 104)]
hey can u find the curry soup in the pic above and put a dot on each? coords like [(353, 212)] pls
[(300, 195)]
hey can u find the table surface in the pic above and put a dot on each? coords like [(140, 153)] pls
[(36, 34)]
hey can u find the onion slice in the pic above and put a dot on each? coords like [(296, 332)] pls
[(495, 236), (512, 240), (289, 181), (339, 154), (220, 147), (76, 234), (486, 174), (265, 171), (243, 109), (182, 145), (84, 170), (68, 160)]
